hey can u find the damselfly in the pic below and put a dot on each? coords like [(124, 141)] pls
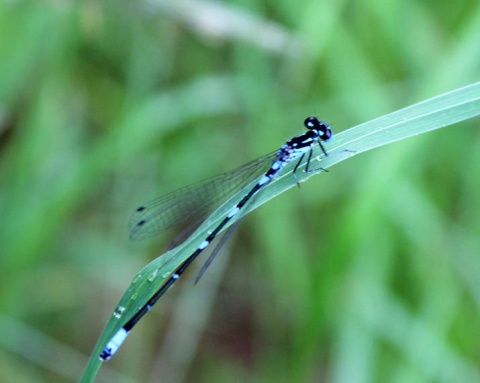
[(157, 215)]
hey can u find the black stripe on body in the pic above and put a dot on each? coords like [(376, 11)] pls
[(271, 173), (176, 275)]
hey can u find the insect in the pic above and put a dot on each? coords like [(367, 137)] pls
[(158, 215)]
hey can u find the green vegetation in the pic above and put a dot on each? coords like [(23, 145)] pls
[(366, 274)]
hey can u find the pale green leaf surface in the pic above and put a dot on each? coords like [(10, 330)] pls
[(434, 113)]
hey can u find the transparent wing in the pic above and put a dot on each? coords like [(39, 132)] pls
[(225, 237), (193, 202), (216, 250)]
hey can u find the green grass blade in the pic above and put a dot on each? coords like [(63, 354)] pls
[(434, 113)]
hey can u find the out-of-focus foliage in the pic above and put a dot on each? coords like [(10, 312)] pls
[(368, 273)]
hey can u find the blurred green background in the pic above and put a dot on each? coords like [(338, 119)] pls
[(369, 273)]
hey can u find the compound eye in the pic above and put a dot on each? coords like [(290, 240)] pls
[(312, 123), (327, 133), (322, 128)]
